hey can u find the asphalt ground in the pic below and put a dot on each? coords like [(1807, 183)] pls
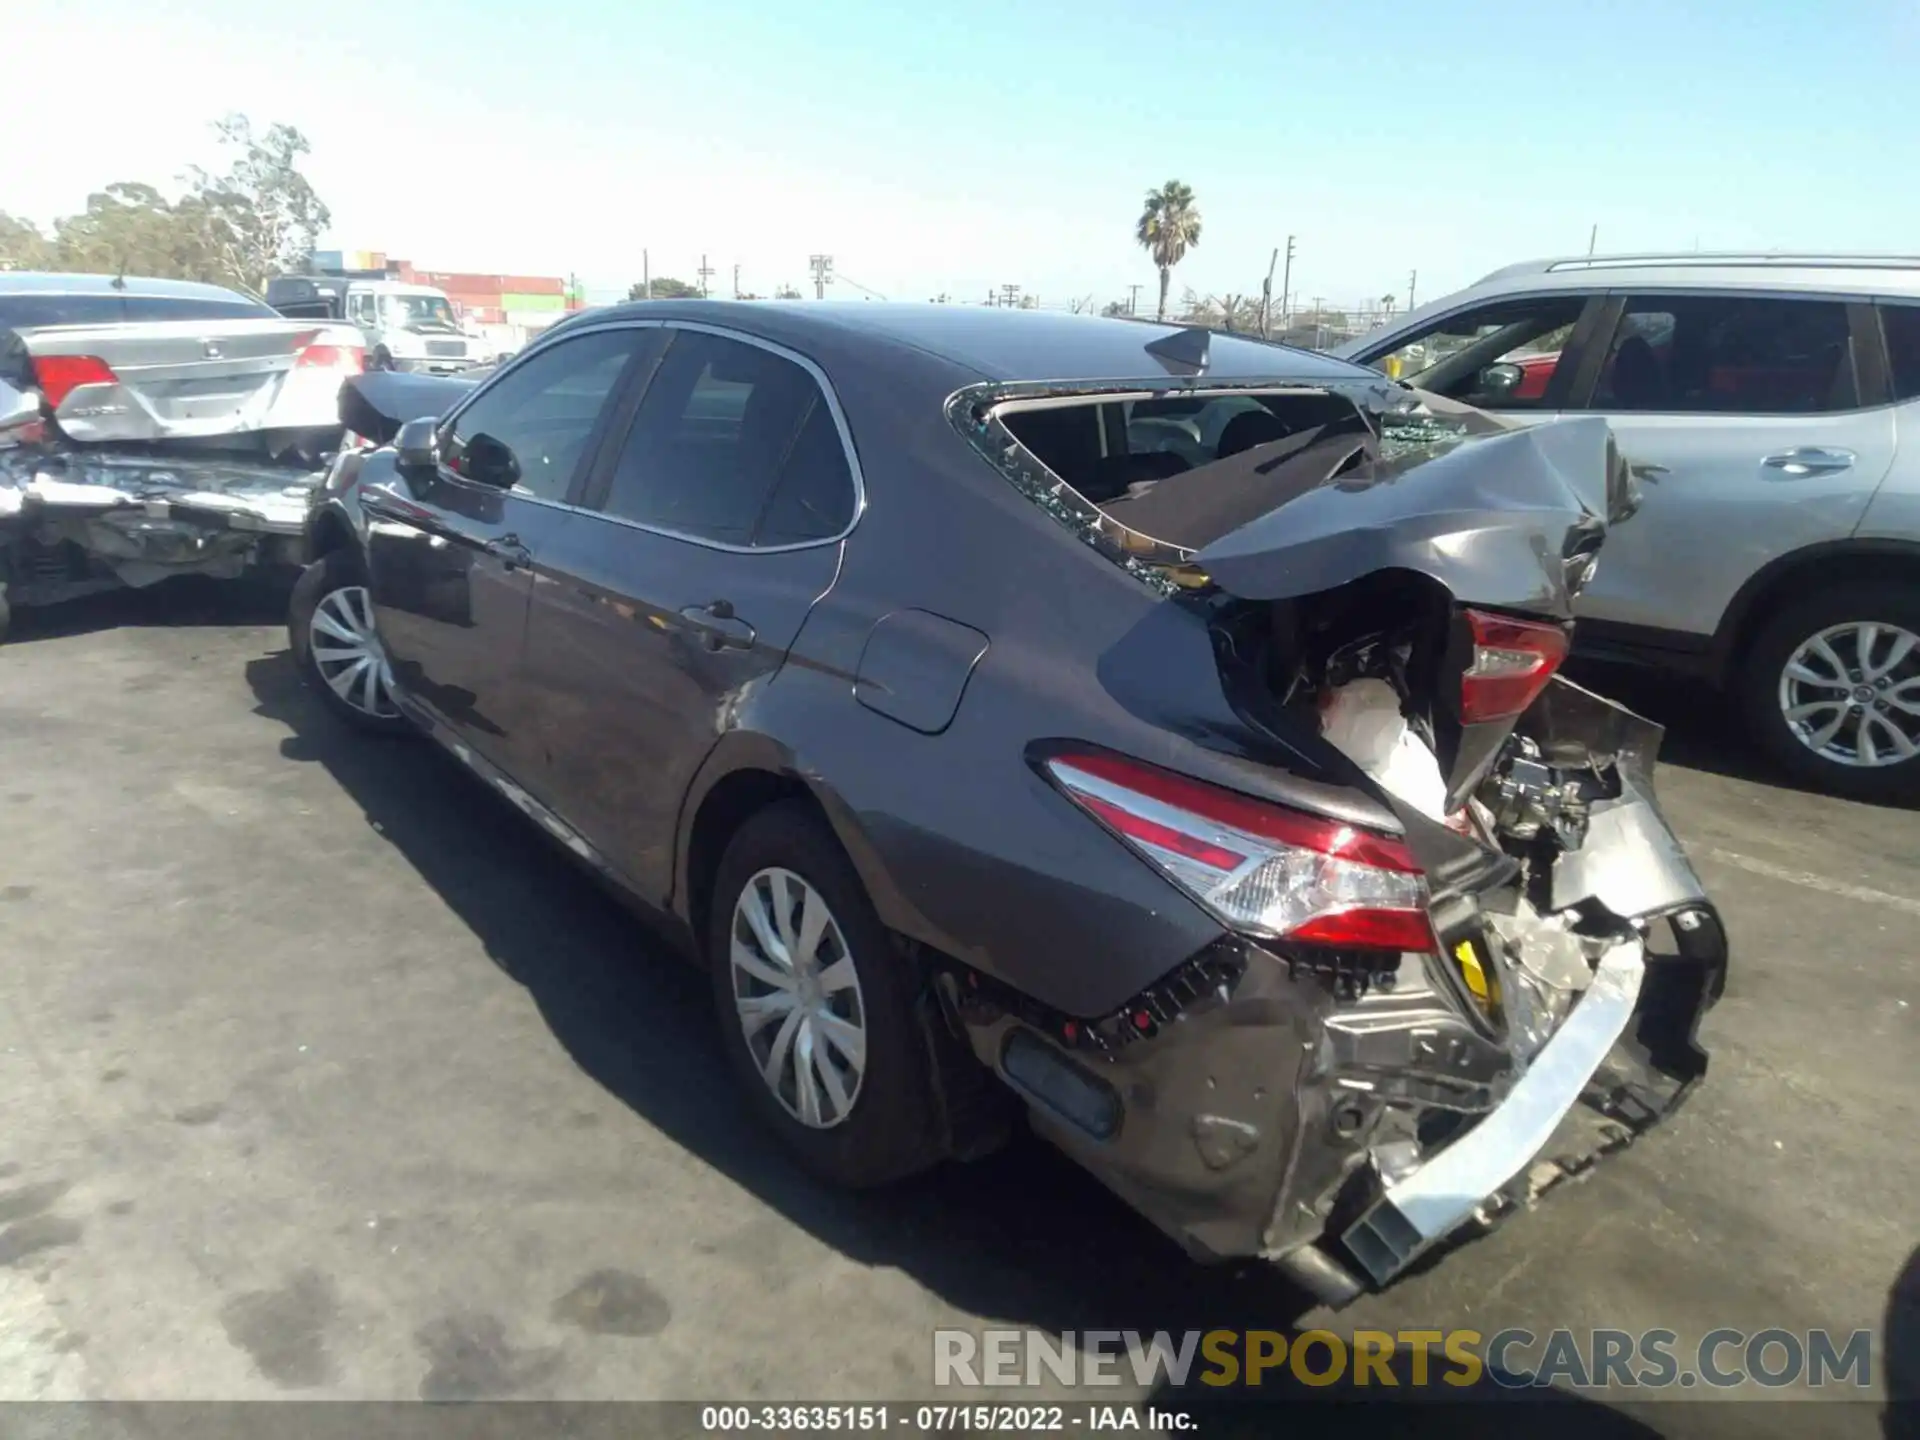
[(323, 1075)]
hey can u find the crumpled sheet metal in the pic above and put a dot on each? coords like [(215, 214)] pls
[(144, 516), (259, 497)]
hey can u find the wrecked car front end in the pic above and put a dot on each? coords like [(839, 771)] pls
[(1467, 972)]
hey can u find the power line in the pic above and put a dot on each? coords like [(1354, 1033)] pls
[(863, 289)]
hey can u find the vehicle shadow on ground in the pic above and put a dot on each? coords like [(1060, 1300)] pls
[(1022, 1237), (185, 601)]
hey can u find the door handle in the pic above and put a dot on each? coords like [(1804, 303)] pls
[(1647, 470), (718, 627), (508, 550), (1811, 460)]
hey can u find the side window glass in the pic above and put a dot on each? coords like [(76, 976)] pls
[(1902, 326), (813, 499), (1729, 354), (733, 444), (1498, 357), (531, 426)]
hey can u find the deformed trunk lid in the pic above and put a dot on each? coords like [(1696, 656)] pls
[(376, 405), (1494, 518), (173, 379)]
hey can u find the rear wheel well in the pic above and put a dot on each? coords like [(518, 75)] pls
[(730, 804), (1794, 582)]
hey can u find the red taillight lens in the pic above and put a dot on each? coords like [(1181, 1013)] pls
[(1260, 867), (332, 357), (1512, 662), (60, 375)]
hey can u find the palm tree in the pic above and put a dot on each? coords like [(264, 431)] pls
[(1169, 227)]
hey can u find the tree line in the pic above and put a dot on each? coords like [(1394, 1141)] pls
[(256, 218)]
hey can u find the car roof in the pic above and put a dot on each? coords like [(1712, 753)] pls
[(1839, 273), (995, 344), (1762, 271), (35, 282)]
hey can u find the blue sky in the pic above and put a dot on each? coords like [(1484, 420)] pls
[(952, 148)]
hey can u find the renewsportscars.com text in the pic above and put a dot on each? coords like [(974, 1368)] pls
[(1513, 1358)]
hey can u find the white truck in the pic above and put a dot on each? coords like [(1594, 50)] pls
[(406, 327)]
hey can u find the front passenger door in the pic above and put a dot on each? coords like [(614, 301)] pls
[(451, 555)]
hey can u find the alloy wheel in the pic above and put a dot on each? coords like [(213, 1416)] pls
[(797, 997), (348, 653), (1851, 694)]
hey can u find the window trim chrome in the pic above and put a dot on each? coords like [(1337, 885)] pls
[(834, 408)]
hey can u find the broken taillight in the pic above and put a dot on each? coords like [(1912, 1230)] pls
[(351, 359), (1258, 866), (1512, 662), (58, 376)]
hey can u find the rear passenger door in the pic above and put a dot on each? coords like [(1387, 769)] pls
[(714, 521), (1756, 425)]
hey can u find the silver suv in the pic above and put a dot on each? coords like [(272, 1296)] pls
[(1770, 405)]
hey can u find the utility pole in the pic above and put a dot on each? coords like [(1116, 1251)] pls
[(1592, 236), (1286, 283), (1010, 295), (736, 282), (704, 271), (1266, 298), (1133, 300), (1319, 323), (1413, 279), (822, 267), (646, 276)]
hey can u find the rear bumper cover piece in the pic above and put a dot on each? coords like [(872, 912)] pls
[(76, 520), (1429, 1204)]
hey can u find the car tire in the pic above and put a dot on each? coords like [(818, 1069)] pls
[(887, 1129), (1837, 620), (329, 599)]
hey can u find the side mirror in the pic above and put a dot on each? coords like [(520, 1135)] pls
[(417, 447), (490, 462), (1497, 382)]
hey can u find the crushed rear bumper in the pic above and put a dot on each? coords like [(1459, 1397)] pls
[(75, 520), (1346, 1121)]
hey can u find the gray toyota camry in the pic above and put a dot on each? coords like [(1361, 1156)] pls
[(1150, 733)]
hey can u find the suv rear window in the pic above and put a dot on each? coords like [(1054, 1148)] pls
[(21, 312)]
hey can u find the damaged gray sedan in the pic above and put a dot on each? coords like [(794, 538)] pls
[(1156, 734), (152, 428)]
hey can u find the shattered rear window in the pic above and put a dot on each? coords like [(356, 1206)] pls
[(1149, 479)]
